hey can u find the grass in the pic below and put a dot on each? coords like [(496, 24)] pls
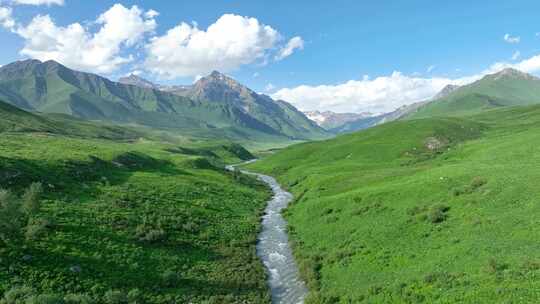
[(160, 222), (439, 210)]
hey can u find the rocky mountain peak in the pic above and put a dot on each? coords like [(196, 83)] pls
[(135, 80), (447, 90), (511, 73)]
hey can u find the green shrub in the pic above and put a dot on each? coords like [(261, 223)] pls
[(78, 299), (17, 295), (438, 214), (45, 299), (135, 296), (115, 297), (170, 278)]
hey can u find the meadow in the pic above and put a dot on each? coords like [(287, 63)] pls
[(435, 210), (130, 220)]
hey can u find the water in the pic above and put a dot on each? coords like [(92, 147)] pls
[(274, 250)]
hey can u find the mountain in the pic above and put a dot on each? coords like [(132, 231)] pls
[(330, 120), (401, 112), (135, 80), (138, 81), (214, 107), (508, 87)]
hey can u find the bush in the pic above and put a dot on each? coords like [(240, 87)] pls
[(45, 299), (115, 297), (170, 278), (17, 295), (148, 234), (78, 299), (437, 214), (18, 216), (135, 296)]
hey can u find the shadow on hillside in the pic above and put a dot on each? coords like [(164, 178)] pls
[(77, 175)]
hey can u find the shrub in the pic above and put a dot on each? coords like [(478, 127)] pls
[(18, 215), (45, 299), (145, 233), (17, 295), (78, 299), (495, 267), (170, 278), (135, 296), (115, 297), (437, 214)]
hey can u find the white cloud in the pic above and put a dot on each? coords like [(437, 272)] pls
[(511, 39), (6, 19), (39, 2), (151, 14), (78, 48), (516, 55), (269, 87), (430, 68), (385, 93), (232, 41), (256, 74), (382, 94), (296, 43)]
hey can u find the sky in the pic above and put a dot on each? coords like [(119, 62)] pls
[(342, 55)]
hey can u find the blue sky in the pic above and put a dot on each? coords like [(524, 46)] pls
[(342, 42)]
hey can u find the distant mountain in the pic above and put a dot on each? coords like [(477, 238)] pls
[(216, 106), (447, 90), (508, 87), (399, 113), (135, 80), (331, 120), (138, 81)]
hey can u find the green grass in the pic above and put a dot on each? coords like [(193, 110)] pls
[(106, 197), (491, 92), (381, 218)]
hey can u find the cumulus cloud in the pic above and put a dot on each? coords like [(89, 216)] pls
[(39, 2), (6, 19), (296, 43), (511, 39), (78, 48), (379, 95), (232, 41), (269, 87), (516, 55), (385, 93)]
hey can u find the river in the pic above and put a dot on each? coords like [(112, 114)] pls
[(273, 247)]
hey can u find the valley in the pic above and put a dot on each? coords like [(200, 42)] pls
[(127, 190)]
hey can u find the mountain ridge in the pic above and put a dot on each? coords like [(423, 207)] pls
[(51, 87)]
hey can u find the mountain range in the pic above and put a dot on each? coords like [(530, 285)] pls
[(508, 87), (216, 106)]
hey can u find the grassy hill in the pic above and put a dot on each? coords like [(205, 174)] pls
[(506, 88), (125, 219), (437, 210), (217, 107)]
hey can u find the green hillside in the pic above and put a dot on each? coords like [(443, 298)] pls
[(123, 219), (439, 210), (506, 88), (50, 87)]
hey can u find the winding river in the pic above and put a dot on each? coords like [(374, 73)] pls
[(274, 250)]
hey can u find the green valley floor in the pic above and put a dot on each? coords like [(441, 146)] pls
[(435, 210), (130, 221)]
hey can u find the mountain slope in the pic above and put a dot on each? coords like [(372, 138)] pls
[(15, 120), (503, 89), (53, 88), (331, 120), (434, 210)]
